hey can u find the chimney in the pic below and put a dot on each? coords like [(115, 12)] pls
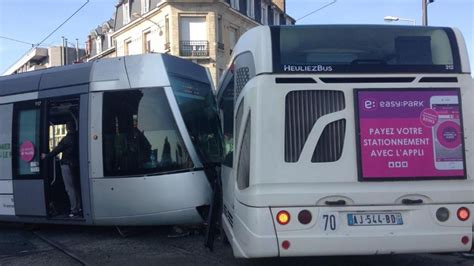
[(280, 4), (89, 45)]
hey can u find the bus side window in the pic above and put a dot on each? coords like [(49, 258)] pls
[(227, 108)]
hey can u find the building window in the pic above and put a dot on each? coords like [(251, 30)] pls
[(232, 38), (147, 42), (145, 6), (220, 40), (276, 17), (140, 135), (288, 21), (127, 47), (126, 12), (234, 4), (98, 44), (251, 8), (264, 18), (167, 33), (109, 36), (193, 37)]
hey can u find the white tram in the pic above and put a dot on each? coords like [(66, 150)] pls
[(162, 178)]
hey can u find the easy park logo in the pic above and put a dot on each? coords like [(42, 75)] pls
[(369, 104)]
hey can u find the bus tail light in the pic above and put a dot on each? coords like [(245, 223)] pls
[(465, 240), (283, 217), (285, 244), (305, 217), (463, 214)]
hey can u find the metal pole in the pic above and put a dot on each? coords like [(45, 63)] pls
[(62, 52), (66, 53), (424, 7), (77, 50)]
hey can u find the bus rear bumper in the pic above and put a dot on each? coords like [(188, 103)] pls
[(372, 245), (255, 232), (418, 231)]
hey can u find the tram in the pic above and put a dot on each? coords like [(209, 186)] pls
[(147, 134), (347, 140)]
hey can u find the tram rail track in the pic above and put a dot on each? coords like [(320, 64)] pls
[(66, 251)]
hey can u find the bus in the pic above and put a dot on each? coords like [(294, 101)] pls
[(148, 142), (347, 140)]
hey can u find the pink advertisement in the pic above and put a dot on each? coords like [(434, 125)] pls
[(27, 151), (410, 134)]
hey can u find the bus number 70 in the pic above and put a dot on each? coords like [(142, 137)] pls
[(329, 222)]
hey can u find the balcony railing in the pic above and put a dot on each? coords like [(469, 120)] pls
[(194, 48)]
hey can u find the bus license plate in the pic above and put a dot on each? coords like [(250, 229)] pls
[(358, 219)]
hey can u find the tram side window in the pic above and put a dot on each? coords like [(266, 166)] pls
[(26, 141), (140, 135), (227, 109)]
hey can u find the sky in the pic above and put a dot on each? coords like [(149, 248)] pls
[(30, 21)]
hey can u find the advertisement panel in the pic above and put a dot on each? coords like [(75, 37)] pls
[(409, 134)]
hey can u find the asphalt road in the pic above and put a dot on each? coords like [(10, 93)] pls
[(35, 245)]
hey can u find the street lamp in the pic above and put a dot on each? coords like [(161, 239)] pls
[(424, 9), (392, 18), (136, 15)]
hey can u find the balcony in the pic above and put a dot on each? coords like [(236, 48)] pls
[(194, 48)]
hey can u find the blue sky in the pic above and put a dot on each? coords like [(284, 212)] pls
[(32, 20)]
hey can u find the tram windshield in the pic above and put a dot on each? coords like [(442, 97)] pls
[(199, 110)]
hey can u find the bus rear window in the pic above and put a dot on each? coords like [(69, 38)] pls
[(364, 49)]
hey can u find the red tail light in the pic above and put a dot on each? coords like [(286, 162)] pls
[(283, 217), (463, 214), (305, 217)]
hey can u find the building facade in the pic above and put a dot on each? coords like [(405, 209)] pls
[(40, 58), (204, 31), (100, 43)]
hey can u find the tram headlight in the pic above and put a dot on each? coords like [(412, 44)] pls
[(442, 214), (283, 217)]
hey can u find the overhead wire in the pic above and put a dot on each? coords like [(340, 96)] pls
[(33, 46), (314, 11), (64, 22), (15, 40)]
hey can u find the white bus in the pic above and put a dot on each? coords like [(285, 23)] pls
[(348, 139)]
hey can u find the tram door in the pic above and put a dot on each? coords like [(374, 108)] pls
[(38, 127), (28, 184), (58, 113)]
